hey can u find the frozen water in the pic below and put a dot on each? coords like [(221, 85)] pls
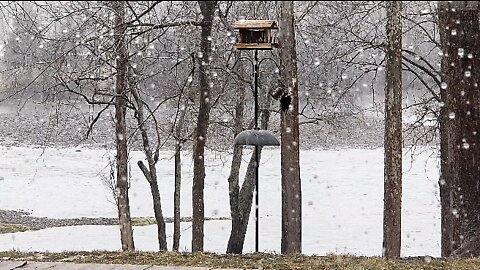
[(342, 200)]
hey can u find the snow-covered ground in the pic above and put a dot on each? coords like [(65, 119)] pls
[(342, 200)]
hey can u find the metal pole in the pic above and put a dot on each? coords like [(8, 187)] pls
[(256, 149)]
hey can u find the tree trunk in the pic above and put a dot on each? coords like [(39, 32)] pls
[(157, 209), (179, 137), (237, 237), (392, 211), (244, 203), (126, 231), (236, 240), (178, 174), (450, 223), (150, 173), (290, 153), (462, 47), (208, 9), (176, 197)]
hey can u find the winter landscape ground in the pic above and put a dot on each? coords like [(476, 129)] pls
[(342, 197)]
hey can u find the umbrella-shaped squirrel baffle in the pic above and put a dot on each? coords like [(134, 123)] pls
[(256, 137)]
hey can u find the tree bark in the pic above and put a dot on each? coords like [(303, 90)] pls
[(461, 75), (290, 153), (450, 223), (236, 240), (150, 173), (208, 9), (241, 205), (176, 197), (392, 211), (178, 172), (126, 231)]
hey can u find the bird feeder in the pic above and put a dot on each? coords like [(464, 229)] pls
[(255, 34)]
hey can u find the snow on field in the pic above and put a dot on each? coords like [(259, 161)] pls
[(342, 200)]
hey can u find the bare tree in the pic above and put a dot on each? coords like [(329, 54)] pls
[(178, 178), (180, 138), (393, 134), (150, 172), (120, 128), (208, 10), (290, 149)]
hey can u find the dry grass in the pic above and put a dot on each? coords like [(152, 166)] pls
[(136, 221), (12, 228), (249, 261), (143, 221)]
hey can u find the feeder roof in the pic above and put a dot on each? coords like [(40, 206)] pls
[(255, 24)]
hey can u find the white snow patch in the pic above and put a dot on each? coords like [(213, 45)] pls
[(342, 200)]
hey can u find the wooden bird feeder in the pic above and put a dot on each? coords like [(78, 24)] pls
[(255, 34)]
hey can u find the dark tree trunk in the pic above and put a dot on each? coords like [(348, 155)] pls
[(461, 50), (236, 240), (157, 206), (126, 231), (150, 173), (450, 223), (450, 226), (179, 137), (178, 174), (208, 10), (392, 211), (245, 199), (176, 197), (290, 153), (157, 209)]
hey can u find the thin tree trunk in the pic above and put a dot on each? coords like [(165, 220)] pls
[(176, 197), (208, 10), (290, 152), (157, 206), (178, 159), (126, 231), (150, 173), (235, 241), (392, 211), (178, 176)]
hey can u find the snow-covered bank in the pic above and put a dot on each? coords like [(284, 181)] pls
[(342, 199)]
